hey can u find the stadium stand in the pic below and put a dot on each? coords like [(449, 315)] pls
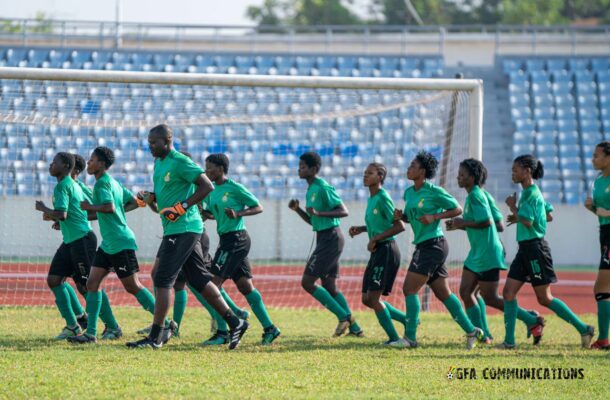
[(25, 150)]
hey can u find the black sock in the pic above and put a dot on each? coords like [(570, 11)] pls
[(155, 332), (231, 319)]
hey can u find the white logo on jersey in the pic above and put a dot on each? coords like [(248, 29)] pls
[(172, 241)]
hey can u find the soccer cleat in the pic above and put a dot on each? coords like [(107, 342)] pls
[(236, 334), (112, 334), (359, 333), (507, 346), (82, 321), (85, 338), (411, 343), (585, 338), (473, 337), (601, 344), (168, 331), (145, 331), (342, 326), (243, 314), (397, 344), (537, 330), (146, 343), (217, 339), (68, 332), (355, 333), (270, 334)]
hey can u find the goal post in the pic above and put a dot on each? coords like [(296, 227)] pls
[(263, 123)]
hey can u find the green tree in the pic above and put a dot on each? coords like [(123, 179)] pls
[(303, 12), (525, 12), (270, 13)]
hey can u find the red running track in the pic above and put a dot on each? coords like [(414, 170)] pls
[(25, 285)]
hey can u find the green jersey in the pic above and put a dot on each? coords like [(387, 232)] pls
[(548, 207), (601, 196), (229, 195), (116, 235), (87, 191), (322, 197), (67, 197), (486, 251), (496, 214), (379, 216), (532, 207), (173, 179), (429, 199)]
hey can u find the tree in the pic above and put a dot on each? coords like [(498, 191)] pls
[(303, 12), (525, 12)]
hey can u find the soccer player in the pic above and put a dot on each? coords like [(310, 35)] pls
[(228, 204), (486, 257), (73, 257), (180, 294), (323, 210), (81, 315), (425, 205), (79, 166), (533, 262), (117, 253), (384, 261), (179, 184), (600, 205)]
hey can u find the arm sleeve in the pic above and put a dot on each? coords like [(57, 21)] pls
[(103, 194), (480, 209), (548, 207), (331, 197), (127, 195), (61, 198), (188, 169), (444, 200), (387, 208), (245, 197), (526, 211)]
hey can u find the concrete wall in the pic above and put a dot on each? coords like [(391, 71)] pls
[(279, 234)]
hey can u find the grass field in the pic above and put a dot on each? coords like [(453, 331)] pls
[(305, 362)]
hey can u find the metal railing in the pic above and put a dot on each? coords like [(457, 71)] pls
[(365, 39)]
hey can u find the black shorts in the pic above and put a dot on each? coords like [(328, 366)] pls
[(124, 263), (324, 261), (492, 275), (231, 258), (382, 268), (429, 259), (74, 259), (604, 246), (182, 252), (205, 249), (533, 263)]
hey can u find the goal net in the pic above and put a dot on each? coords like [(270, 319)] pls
[(263, 123)]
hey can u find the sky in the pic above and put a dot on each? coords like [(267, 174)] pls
[(203, 12)]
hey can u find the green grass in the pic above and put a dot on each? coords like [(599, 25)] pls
[(305, 362)]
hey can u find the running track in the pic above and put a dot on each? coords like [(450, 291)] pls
[(25, 285)]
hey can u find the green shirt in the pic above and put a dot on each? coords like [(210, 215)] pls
[(322, 197), (87, 191), (486, 251), (379, 216), (173, 179), (116, 235), (601, 196), (67, 197), (496, 214), (229, 195), (548, 207), (532, 207), (429, 199)]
